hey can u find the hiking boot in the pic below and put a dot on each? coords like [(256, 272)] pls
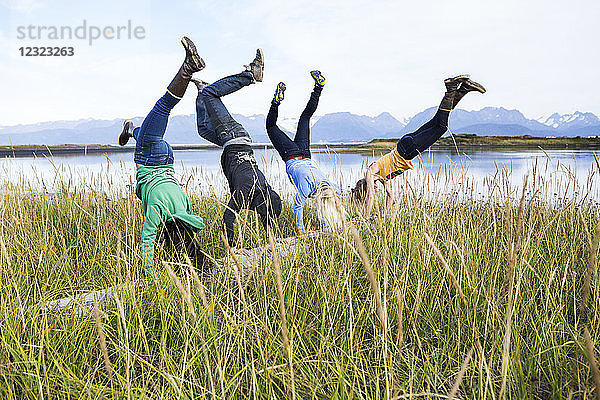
[(466, 86), (257, 66), (192, 63), (279, 93), (453, 83), (318, 77), (472, 86), (126, 133), (200, 84)]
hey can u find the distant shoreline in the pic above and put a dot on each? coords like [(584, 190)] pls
[(84, 149), (460, 141), (489, 143)]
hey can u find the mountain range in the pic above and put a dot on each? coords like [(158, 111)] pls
[(329, 128)]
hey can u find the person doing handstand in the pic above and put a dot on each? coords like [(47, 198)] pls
[(412, 144), (248, 186)]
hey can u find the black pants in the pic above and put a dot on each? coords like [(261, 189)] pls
[(411, 144), (249, 189), (300, 146)]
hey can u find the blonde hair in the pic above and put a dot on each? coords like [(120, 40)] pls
[(330, 210)]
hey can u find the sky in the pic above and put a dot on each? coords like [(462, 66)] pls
[(536, 56)]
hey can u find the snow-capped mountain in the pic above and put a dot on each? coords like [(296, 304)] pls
[(575, 120), (498, 121), (334, 127), (489, 115)]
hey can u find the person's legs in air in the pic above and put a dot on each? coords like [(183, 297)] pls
[(225, 126), (302, 138), (280, 140), (205, 129), (151, 148), (435, 119), (411, 144)]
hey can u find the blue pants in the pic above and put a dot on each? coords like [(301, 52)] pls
[(150, 147), (411, 144), (214, 121), (300, 146)]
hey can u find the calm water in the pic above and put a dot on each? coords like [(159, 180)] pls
[(476, 174)]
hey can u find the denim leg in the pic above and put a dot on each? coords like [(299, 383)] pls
[(411, 144), (229, 84), (302, 138), (225, 126), (205, 129), (151, 148), (281, 141)]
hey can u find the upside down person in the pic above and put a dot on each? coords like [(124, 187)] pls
[(412, 144), (309, 180), (248, 185), (166, 206)]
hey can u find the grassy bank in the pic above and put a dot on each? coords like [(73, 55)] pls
[(487, 296), (472, 142)]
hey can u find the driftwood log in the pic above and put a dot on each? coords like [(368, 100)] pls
[(81, 304)]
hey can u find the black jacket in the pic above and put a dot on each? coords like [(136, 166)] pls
[(249, 188)]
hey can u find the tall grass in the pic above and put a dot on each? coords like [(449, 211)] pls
[(415, 303)]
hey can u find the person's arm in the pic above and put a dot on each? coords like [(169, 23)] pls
[(149, 232), (389, 195), (229, 216), (298, 203), (372, 170)]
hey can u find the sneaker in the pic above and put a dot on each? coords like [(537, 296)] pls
[(468, 85), (126, 133), (193, 62), (279, 93), (257, 66), (318, 77), (200, 84), (453, 83)]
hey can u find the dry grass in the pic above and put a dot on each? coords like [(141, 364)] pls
[(415, 305)]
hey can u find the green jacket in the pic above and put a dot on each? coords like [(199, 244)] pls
[(162, 199)]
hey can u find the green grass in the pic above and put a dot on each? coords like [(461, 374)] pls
[(533, 257)]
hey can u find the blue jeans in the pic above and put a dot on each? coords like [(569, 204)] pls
[(150, 147), (300, 146), (214, 121), (411, 144)]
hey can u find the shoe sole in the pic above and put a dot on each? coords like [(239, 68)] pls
[(317, 76), (474, 85), (280, 89), (261, 64), (261, 56), (458, 77), (190, 47), (124, 136)]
